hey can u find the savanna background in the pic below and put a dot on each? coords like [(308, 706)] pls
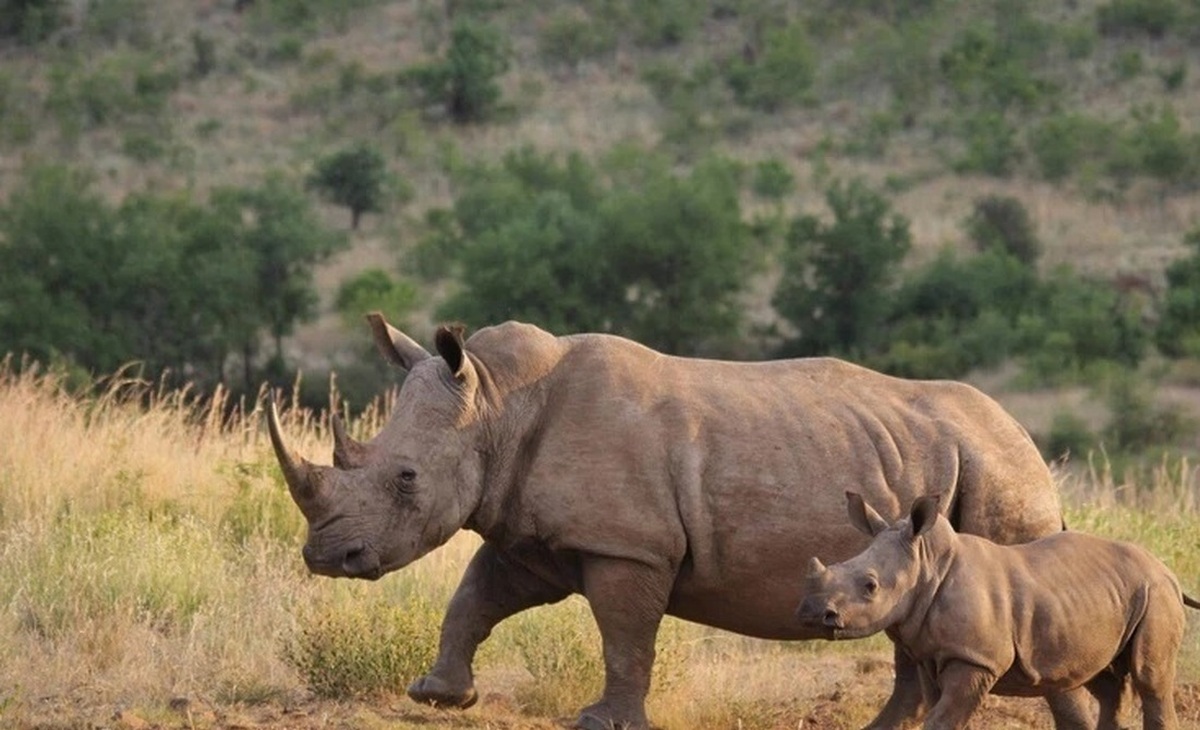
[(200, 198)]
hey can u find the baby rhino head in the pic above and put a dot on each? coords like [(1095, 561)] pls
[(873, 590)]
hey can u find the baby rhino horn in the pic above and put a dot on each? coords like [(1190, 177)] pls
[(815, 567)]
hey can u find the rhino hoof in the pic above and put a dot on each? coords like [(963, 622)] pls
[(430, 690), (590, 719)]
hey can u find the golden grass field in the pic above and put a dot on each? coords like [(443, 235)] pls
[(150, 577)]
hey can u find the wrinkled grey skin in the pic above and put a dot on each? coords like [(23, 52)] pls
[(1066, 611), (650, 484)]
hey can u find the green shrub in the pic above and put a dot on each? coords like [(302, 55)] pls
[(1124, 17), (660, 23), (375, 290), (1138, 423), (1076, 324), (119, 21), (571, 37), (991, 66), (989, 145), (1002, 222), (1128, 64), (1069, 436), (695, 105), (1173, 76), (30, 21), (362, 648), (465, 81), (773, 180), (1063, 141), (783, 73), (1178, 330)]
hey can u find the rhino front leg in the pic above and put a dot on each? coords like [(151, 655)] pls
[(909, 699), (493, 588), (628, 600), (964, 686)]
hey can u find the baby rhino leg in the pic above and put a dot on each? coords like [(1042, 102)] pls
[(1152, 652)]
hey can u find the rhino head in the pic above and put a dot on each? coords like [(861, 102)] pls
[(876, 588), (388, 501)]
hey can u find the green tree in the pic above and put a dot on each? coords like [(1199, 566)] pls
[(375, 290), (156, 279), (679, 250), (781, 76), (354, 177), (633, 247), (1002, 222), (57, 254), (1074, 323), (837, 276), (280, 240), (957, 313), (1178, 331), (465, 81)]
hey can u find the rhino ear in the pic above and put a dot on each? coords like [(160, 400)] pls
[(449, 341), (863, 516), (924, 514), (396, 347)]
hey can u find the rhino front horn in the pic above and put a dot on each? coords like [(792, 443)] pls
[(815, 567), (297, 472)]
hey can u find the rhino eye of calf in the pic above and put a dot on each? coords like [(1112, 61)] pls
[(870, 586)]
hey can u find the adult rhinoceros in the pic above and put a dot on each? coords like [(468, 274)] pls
[(650, 484)]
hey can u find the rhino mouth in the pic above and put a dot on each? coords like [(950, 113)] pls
[(852, 632), (357, 560)]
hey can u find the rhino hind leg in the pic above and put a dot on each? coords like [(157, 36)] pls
[(628, 600), (494, 587)]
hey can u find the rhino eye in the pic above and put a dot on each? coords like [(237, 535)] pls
[(405, 482), (870, 586)]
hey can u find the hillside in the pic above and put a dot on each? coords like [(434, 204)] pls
[(1071, 109)]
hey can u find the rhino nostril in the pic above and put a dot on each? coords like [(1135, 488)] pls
[(832, 618), (353, 554)]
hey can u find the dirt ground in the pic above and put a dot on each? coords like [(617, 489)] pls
[(835, 699)]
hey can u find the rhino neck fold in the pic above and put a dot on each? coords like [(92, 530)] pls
[(936, 555)]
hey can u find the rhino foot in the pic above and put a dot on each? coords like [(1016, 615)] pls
[(598, 717), (431, 690)]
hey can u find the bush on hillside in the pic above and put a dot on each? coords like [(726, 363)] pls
[(838, 275), (354, 177), (1003, 223), (30, 21), (465, 82), (1127, 17), (781, 75)]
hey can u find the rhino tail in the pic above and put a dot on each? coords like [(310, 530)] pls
[(1190, 602)]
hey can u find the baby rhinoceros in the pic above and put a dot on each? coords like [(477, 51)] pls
[(1045, 617)]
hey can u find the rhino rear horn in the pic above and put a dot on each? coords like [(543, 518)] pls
[(347, 452), (297, 472)]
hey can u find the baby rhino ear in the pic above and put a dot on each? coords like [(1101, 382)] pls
[(924, 514), (863, 516)]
